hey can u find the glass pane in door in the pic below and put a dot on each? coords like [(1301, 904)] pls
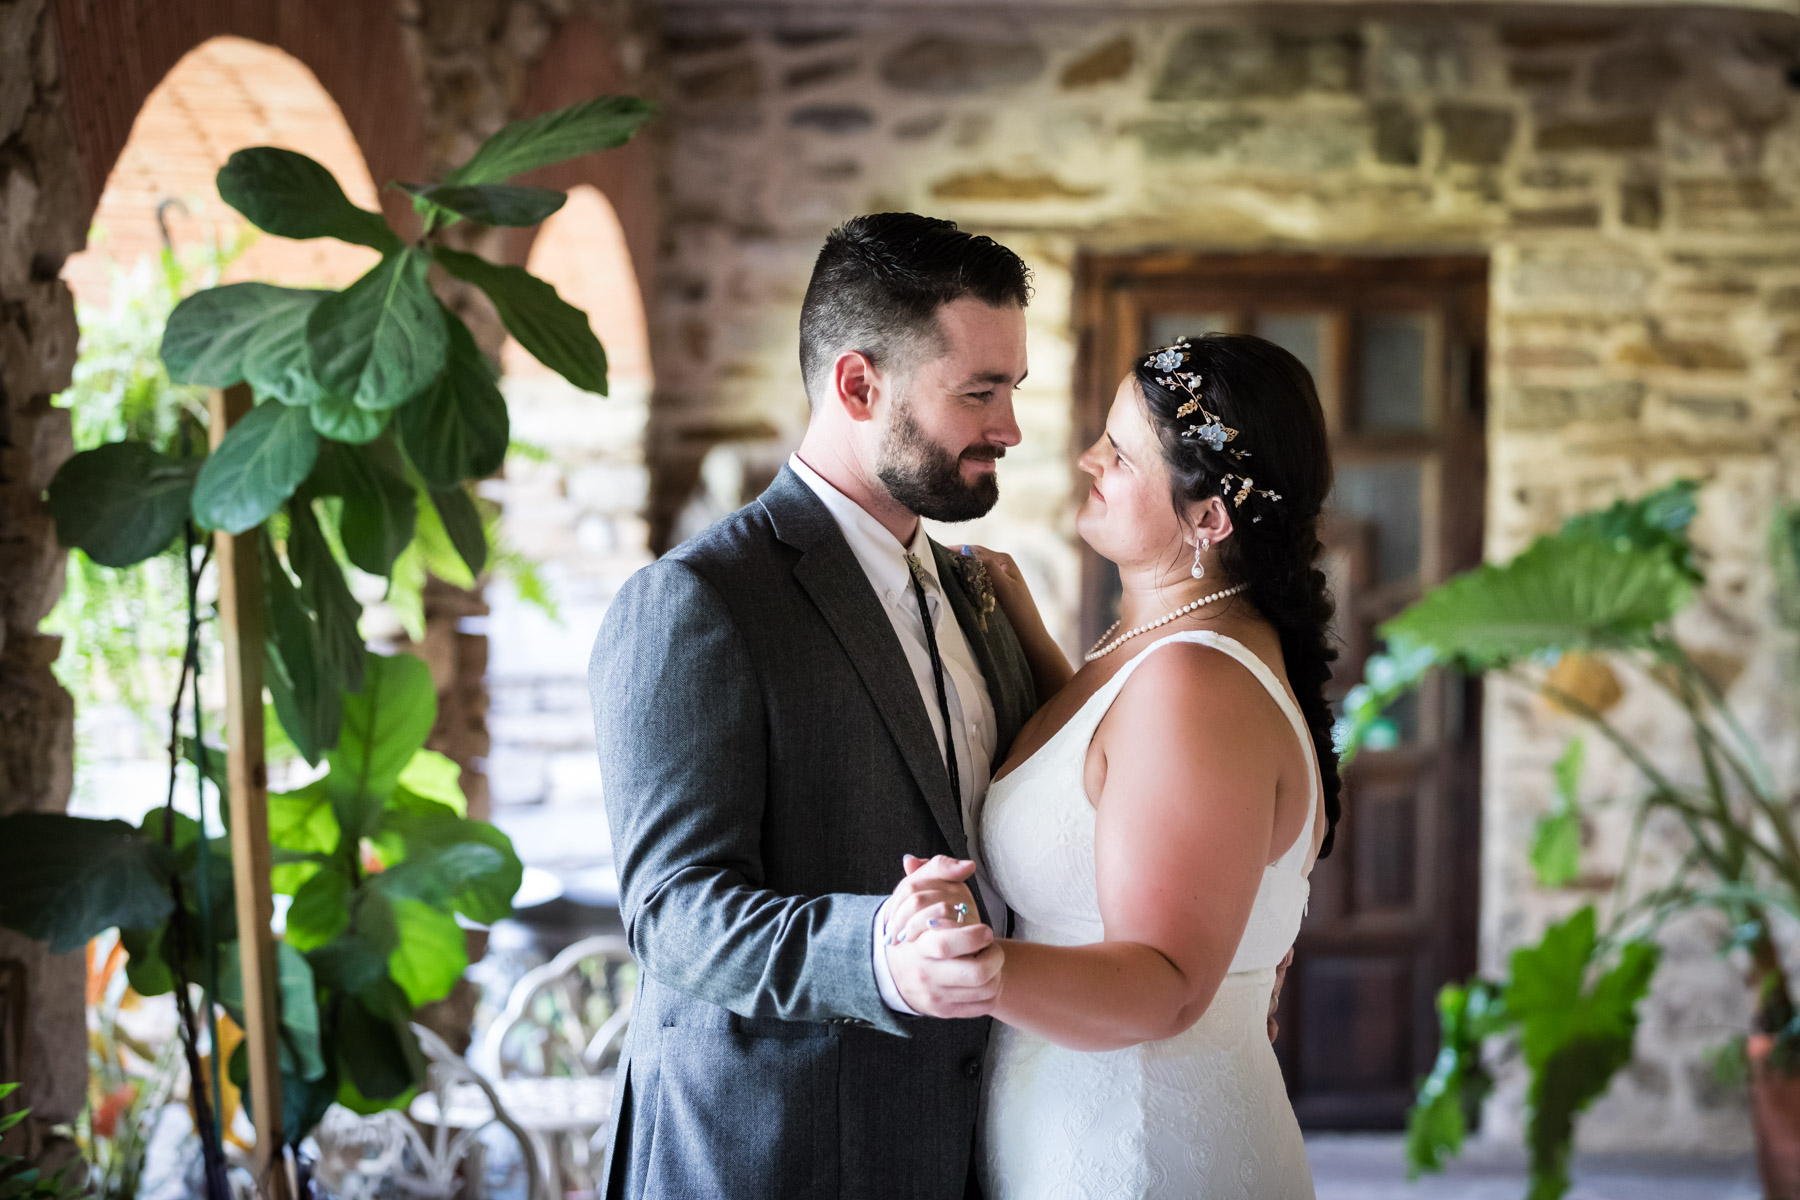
[(1388, 496), (1392, 349), (1165, 328), (1297, 333)]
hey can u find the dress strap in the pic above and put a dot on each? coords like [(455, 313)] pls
[(1297, 857)]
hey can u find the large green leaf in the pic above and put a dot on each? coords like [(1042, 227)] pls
[(145, 968), (343, 420), (324, 591), (462, 523), (457, 428), (303, 831), (435, 777), (430, 951), (263, 458), (598, 124), (381, 341), (122, 502), (1574, 1038), (320, 911), (1572, 591), (69, 878), (383, 727), (275, 360), (296, 995), (208, 336), (491, 203), (452, 861), (289, 195), (555, 332), (307, 698), (377, 1048), (380, 509), (1657, 523)]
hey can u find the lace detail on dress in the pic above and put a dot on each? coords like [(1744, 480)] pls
[(1202, 1114)]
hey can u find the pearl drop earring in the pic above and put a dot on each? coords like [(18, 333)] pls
[(1199, 571)]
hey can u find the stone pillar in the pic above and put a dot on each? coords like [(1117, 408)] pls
[(42, 210)]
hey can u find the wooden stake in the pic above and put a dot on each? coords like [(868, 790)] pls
[(241, 634)]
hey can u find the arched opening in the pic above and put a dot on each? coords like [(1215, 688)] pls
[(223, 95), (123, 629), (573, 499)]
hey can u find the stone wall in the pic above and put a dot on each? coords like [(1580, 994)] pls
[(1634, 176), (41, 222)]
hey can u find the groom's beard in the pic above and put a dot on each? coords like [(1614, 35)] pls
[(927, 479)]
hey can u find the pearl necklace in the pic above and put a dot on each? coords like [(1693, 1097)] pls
[(1102, 648)]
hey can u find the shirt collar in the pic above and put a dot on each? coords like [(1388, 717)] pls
[(882, 556)]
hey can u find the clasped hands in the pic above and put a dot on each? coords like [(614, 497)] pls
[(941, 966)]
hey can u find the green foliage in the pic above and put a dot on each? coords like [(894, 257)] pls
[(554, 331), (123, 502), (377, 856), (20, 1182), (458, 428), (289, 195), (1450, 1097), (1574, 1037), (374, 414), (1571, 1004), (263, 459), (490, 203), (603, 123), (1603, 582), (66, 880), (1556, 841), (381, 341), (1784, 554)]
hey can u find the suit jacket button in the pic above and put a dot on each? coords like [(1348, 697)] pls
[(972, 1068)]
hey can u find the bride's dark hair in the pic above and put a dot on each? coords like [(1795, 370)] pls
[(1263, 392)]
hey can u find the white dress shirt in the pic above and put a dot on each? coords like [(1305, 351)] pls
[(974, 734)]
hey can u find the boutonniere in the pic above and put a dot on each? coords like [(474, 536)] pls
[(974, 575)]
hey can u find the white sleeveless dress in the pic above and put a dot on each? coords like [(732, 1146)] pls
[(1201, 1114)]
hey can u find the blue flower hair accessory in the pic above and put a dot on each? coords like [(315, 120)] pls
[(1212, 431)]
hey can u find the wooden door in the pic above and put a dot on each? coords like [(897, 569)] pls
[(1396, 346)]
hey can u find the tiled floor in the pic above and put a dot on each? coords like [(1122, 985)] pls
[(1370, 1167)]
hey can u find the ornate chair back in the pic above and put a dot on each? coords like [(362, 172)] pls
[(565, 1019)]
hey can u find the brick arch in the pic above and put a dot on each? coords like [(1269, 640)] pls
[(115, 52)]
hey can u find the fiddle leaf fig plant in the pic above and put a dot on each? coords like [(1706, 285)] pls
[(373, 413)]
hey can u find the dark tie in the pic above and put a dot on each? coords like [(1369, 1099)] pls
[(937, 670)]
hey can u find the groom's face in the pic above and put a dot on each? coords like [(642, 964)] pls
[(951, 418)]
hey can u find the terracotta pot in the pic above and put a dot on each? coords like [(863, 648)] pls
[(1775, 1109)]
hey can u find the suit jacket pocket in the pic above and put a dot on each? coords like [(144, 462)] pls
[(742, 1116)]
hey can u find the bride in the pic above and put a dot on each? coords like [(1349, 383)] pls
[(1155, 825)]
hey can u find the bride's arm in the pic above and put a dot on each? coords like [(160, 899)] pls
[(1186, 819), (1050, 670)]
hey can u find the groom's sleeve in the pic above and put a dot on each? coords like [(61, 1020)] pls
[(683, 742)]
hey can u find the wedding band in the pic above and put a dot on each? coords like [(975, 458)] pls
[(961, 911)]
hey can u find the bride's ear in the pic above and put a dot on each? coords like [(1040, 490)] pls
[(1211, 519)]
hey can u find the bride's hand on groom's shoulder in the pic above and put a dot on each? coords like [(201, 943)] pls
[(943, 966), (1010, 590)]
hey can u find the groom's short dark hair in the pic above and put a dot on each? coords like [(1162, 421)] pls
[(879, 281)]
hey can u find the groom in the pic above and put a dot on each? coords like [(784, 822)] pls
[(785, 707)]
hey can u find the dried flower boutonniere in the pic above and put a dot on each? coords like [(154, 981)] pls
[(974, 575)]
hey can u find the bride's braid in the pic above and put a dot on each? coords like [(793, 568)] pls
[(1275, 475)]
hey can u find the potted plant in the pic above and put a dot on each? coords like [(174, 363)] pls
[(374, 412), (1565, 618)]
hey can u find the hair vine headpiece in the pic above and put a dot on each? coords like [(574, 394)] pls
[(1212, 430)]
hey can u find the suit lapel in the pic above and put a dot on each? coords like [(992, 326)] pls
[(1011, 706), (835, 581)]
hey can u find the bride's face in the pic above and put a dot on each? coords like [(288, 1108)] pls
[(1129, 515)]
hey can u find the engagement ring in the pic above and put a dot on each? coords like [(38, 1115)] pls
[(961, 911)]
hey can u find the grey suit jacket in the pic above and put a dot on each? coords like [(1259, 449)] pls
[(767, 759)]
